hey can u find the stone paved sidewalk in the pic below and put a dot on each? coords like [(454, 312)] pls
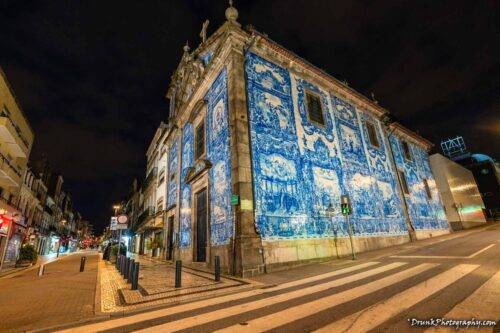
[(156, 286), (61, 295)]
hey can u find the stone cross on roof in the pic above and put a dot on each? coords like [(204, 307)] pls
[(203, 33)]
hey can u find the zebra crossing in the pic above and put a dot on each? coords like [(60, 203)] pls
[(359, 298)]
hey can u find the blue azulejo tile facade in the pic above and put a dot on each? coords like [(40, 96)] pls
[(300, 168), (187, 161), (173, 163), (218, 153), (426, 210)]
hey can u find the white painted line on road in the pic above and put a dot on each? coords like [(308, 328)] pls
[(481, 251), (280, 318), (373, 316), (447, 257), (250, 306), (482, 304), (114, 323)]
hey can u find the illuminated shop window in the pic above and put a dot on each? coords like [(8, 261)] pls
[(314, 109)]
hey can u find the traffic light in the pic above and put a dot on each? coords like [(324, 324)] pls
[(345, 205), (345, 209)]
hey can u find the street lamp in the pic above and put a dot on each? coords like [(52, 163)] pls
[(116, 207)]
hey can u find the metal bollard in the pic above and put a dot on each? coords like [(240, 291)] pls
[(130, 275), (217, 268), (178, 272), (122, 265), (127, 266), (135, 280), (41, 270), (82, 263)]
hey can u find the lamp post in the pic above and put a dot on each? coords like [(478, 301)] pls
[(116, 207)]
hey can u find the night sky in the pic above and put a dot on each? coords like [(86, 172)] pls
[(92, 75)]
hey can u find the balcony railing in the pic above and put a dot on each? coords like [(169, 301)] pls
[(150, 177), (18, 130), (147, 213), (6, 161)]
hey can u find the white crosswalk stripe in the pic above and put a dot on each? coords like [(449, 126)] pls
[(377, 314), (380, 276), (283, 317), (486, 298), (114, 323), (237, 309)]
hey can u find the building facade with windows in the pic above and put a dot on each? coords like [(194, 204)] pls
[(260, 147), (148, 226), (16, 140)]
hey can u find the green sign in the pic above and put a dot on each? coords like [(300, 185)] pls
[(235, 200)]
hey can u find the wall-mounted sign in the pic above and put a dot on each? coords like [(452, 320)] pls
[(235, 200)]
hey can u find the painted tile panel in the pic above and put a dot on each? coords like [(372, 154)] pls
[(300, 169), (187, 161), (425, 213), (172, 174), (218, 152)]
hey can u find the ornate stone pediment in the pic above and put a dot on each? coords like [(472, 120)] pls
[(184, 80)]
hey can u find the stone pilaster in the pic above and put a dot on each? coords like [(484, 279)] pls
[(248, 244)]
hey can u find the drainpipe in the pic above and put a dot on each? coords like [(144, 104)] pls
[(411, 229)]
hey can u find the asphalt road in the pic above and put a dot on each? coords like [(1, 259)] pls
[(456, 278)]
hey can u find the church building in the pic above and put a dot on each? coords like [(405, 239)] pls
[(260, 147)]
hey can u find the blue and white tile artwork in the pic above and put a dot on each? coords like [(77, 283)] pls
[(218, 152), (187, 161), (300, 169), (172, 174), (425, 213)]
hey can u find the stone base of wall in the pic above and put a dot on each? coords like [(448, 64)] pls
[(283, 254), (429, 233), (472, 224), (223, 251), (250, 256)]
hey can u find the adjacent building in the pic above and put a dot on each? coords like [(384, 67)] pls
[(259, 148), (33, 207), (459, 193), (16, 140)]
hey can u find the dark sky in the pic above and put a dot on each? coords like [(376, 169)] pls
[(91, 75)]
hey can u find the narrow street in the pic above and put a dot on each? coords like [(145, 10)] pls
[(455, 278)]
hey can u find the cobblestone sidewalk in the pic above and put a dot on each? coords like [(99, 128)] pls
[(156, 286), (61, 295)]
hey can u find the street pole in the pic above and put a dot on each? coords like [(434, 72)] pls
[(349, 228)]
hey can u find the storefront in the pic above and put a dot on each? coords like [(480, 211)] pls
[(13, 231)]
